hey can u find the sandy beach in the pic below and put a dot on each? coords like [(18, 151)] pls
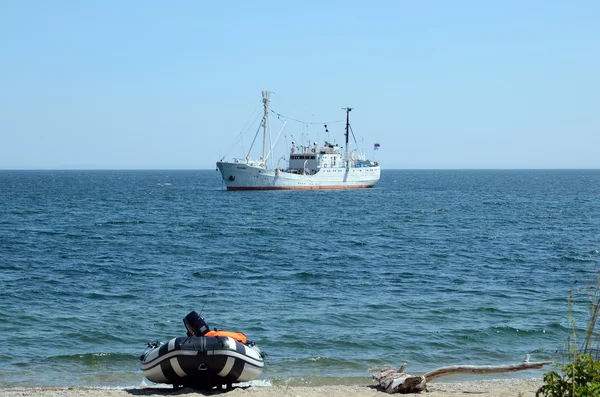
[(482, 388)]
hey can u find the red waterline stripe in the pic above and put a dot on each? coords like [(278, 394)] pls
[(300, 187)]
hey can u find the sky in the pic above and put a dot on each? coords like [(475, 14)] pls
[(148, 84)]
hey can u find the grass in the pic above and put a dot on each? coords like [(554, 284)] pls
[(580, 376)]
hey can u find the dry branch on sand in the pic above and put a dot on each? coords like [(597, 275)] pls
[(392, 381)]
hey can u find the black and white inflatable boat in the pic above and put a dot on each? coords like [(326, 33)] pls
[(203, 359)]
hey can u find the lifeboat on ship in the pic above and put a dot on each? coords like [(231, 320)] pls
[(203, 359)]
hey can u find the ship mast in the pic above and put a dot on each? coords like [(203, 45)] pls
[(265, 123), (348, 110)]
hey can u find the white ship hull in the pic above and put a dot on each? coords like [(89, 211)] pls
[(240, 176), (308, 167)]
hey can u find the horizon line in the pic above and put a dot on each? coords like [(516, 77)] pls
[(383, 169)]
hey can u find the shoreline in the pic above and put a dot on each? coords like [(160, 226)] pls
[(482, 388)]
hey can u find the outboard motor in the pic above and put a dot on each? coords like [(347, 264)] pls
[(195, 325)]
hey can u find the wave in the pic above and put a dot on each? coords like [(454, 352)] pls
[(316, 380), (120, 223), (513, 330), (576, 259), (93, 359)]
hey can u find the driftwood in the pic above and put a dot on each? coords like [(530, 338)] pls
[(392, 381)]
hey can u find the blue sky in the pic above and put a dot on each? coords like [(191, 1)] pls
[(162, 85)]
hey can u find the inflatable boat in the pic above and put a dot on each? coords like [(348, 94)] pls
[(203, 359)]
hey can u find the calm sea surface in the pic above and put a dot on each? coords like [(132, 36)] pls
[(431, 268)]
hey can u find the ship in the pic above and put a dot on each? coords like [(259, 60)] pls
[(309, 167)]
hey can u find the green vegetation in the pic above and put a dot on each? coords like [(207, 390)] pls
[(581, 375)]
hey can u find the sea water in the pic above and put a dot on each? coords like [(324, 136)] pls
[(429, 268)]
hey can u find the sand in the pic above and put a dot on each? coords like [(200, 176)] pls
[(482, 388)]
